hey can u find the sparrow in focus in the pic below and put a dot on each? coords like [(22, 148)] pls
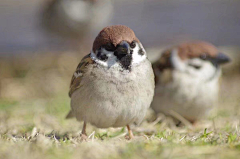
[(75, 19), (113, 86), (187, 80)]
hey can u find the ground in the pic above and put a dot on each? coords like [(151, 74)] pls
[(34, 103)]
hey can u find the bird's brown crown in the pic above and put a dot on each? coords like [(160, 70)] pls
[(114, 35), (196, 49)]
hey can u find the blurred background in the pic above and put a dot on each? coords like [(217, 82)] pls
[(156, 23), (40, 47)]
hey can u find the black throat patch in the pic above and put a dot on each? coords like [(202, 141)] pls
[(126, 62)]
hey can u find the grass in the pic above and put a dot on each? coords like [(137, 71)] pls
[(33, 125), (37, 129)]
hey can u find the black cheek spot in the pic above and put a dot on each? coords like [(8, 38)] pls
[(102, 57), (140, 52)]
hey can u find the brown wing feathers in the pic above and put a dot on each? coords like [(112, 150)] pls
[(78, 74)]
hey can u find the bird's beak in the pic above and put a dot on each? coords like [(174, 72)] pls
[(122, 50), (221, 59)]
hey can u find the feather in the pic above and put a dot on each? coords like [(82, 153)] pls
[(79, 73)]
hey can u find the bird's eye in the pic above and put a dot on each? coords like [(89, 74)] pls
[(203, 56), (133, 45), (109, 47), (197, 67)]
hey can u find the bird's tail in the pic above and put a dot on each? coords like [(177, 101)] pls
[(70, 115)]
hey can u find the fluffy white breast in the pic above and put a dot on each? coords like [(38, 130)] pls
[(111, 98)]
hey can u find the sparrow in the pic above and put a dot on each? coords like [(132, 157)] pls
[(187, 80), (113, 86), (76, 19)]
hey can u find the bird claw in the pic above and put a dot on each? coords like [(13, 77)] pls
[(83, 137), (127, 137)]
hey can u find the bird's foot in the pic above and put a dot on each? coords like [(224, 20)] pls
[(83, 137)]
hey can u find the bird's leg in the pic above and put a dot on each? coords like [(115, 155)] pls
[(84, 134), (130, 133)]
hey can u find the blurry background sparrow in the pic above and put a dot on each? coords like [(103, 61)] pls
[(187, 80), (112, 86), (76, 19)]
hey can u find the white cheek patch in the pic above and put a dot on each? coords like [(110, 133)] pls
[(177, 63), (197, 63), (136, 57), (111, 60), (206, 70)]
